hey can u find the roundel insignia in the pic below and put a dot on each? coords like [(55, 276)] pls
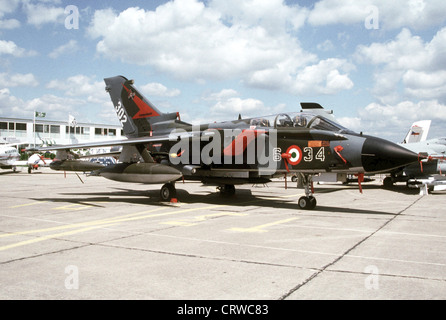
[(295, 155)]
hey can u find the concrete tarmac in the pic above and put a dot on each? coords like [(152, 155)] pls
[(61, 238)]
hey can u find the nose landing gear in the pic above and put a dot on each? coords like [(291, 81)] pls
[(307, 202)]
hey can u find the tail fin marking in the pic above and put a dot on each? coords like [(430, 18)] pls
[(145, 110), (138, 116)]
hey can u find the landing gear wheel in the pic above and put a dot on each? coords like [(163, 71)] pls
[(168, 192), (227, 190), (388, 183), (307, 203), (312, 202)]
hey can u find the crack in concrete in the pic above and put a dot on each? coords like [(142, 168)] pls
[(314, 275)]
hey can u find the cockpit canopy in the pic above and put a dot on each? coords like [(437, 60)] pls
[(298, 119)]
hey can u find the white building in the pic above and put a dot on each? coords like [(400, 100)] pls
[(15, 130)]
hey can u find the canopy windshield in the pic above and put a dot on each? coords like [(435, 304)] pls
[(298, 119)]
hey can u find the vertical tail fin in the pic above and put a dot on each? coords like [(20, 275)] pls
[(418, 131), (136, 114)]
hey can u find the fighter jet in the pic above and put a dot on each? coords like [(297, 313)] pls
[(161, 148), (428, 170)]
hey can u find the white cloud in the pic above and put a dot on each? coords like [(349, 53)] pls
[(7, 101), (406, 51), (272, 15), (416, 14), (222, 95), (326, 45), (157, 89), (338, 12), (392, 121), (10, 48), (82, 87), (425, 85), (55, 107), (79, 85), (323, 78), (17, 80), (51, 104), (40, 14), (227, 104), (188, 40), (9, 24), (407, 61), (7, 7), (237, 105), (255, 42), (68, 48)]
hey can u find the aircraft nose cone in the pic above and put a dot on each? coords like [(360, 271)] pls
[(379, 155)]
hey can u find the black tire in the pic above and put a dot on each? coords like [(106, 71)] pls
[(227, 190), (168, 192), (307, 203), (313, 202), (388, 183)]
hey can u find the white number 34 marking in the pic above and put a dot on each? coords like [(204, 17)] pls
[(309, 154)]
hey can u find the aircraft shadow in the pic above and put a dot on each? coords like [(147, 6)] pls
[(8, 172), (242, 198), (398, 188)]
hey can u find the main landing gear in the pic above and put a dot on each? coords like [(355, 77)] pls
[(168, 191), (307, 202), (226, 189)]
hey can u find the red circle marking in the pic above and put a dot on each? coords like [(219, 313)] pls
[(296, 155)]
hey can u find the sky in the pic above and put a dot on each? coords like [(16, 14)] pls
[(379, 65)]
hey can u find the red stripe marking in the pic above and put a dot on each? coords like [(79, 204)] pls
[(145, 111), (240, 143)]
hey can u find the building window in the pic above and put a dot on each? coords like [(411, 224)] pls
[(39, 127), (42, 128), (55, 129), (20, 126)]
